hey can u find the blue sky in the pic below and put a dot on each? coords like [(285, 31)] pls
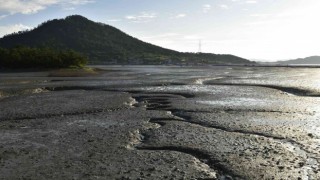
[(254, 29)]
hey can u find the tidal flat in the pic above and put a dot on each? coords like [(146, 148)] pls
[(161, 122)]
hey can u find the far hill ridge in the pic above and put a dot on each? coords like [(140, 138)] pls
[(307, 60), (104, 44)]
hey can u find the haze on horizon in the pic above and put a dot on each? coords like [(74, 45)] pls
[(254, 29)]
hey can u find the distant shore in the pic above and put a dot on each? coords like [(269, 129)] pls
[(93, 70)]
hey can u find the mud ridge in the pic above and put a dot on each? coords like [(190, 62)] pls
[(209, 161), (179, 117), (106, 87), (216, 110), (165, 95), (290, 90), (69, 88), (221, 128), (143, 137), (187, 119), (64, 114), (200, 155), (222, 172)]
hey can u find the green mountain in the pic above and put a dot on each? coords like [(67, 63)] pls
[(307, 60), (104, 44)]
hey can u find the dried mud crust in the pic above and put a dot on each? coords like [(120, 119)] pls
[(91, 146), (233, 153), (60, 103), (149, 129), (143, 135)]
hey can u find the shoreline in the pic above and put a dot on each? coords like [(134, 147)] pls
[(94, 69)]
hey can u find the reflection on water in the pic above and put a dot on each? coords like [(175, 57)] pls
[(308, 78)]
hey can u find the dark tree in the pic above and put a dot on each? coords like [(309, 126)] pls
[(26, 57)]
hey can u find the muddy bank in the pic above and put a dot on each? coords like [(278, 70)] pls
[(161, 123)]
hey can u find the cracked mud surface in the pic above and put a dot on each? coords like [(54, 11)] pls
[(162, 123)]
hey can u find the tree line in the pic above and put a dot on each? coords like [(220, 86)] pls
[(27, 57)]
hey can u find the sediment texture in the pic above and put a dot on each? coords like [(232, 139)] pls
[(161, 123)]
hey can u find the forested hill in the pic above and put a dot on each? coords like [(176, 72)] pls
[(104, 44), (307, 60)]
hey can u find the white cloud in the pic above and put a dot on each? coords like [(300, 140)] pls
[(193, 37), (69, 8), (180, 16), (34, 6), (113, 20), (4, 30), (224, 6), (79, 2), (142, 17), (286, 33), (251, 2), (206, 8), (261, 15), (167, 40), (3, 16), (160, 36)]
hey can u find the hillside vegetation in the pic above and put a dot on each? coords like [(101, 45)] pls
[(25, 57), (307, 60), (104, 44)]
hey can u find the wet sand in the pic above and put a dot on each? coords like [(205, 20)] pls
[(157, 122)]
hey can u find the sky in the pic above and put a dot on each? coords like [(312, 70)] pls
[(264, 30)]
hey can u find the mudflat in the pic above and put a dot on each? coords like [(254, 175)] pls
[(161, 122)]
